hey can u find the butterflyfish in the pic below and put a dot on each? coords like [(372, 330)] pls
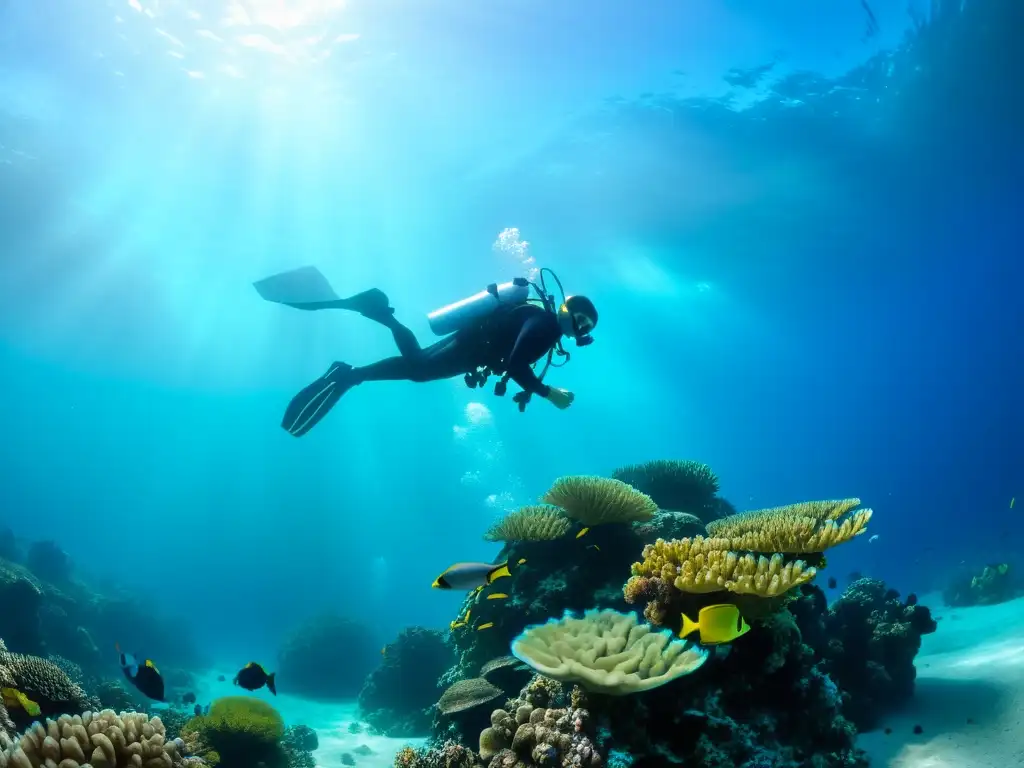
[(717, 624)]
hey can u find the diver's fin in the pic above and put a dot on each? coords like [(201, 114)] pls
[(305, 288), (316, 400), (271, 684)]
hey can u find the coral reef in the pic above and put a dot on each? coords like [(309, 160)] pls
[(328, 658), (777, 697), (684, 486), (8, 545), (752, 553), (607, 652), (21, 596), (99, 740), (398, 696), (238, 732), (49, 562), (994, 584), (600, 500), (43, 682), (868, 639), (541, 522), (541, 728), (667, 524)]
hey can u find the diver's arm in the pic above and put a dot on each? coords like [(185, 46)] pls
[(533, 343)]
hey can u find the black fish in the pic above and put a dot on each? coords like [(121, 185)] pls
[(912, 599), (145, 676), (198, 710), (188, 698), (221, 678), (832, 583), (252, 677)]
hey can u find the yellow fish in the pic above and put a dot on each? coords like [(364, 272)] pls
[(488, 625), (13, 699), (1011, 501), (521, 561), (497, 596), (582, 533), (717, 624)]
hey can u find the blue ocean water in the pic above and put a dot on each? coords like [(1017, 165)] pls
[(800, 226)]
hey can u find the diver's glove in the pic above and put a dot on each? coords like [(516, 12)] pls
[(560, 398)]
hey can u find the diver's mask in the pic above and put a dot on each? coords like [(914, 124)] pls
[(575, 322)]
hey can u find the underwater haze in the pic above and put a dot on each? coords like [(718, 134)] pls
[(799, 223)]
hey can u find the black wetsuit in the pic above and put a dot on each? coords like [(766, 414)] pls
[(508, 342)]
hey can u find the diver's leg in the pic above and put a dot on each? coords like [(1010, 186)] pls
[(443, 360)]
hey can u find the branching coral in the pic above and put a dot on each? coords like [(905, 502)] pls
[(541, 522), (701, 565), (687, 486), (810, 526), (99, 740), (607, 652), (600, 500)]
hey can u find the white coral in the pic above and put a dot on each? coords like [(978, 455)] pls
[(606, 652)]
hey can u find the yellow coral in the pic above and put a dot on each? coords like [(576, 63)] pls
[(811, 526), (600, 500), (541, 522), (701, 565)]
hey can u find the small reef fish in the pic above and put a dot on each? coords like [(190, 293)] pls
[(15, 699), (582, 533), (488, 625), (594, 547), (188, 698), (873, 539), (472, 576), (1011, 501), (197, 711), (252, 677), (832, 583), (717, 624), (497, 596), (521, 561), (145, 676)]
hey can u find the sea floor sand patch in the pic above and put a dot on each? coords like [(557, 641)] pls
[(969, 699)]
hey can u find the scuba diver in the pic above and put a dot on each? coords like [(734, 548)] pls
[(500, 331)]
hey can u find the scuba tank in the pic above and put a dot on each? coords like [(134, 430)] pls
[(461, 314)]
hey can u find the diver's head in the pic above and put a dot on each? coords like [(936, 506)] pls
[(578, 317)]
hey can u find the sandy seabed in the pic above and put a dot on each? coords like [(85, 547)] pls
[(969, 702), (969, 699)]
